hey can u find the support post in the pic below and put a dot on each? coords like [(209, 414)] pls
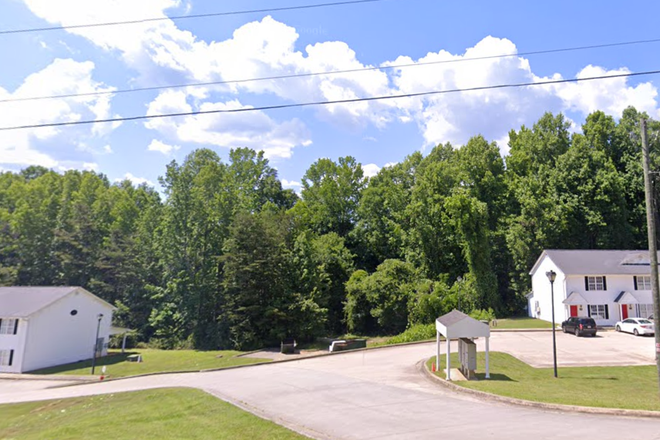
[(437, 350), (448, 362), (123, 343), (653, 246), (487, 357)]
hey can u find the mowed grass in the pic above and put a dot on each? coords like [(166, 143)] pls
[(521, 323), (154, 361), (164, 414), (606, 387)]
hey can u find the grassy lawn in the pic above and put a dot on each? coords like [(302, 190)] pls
[(154, 361), (177, 413), (521, 323), (608, 387)]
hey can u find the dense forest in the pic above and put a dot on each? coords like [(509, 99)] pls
[(227, 258)]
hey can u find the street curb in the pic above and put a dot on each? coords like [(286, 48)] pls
[(539, 405)]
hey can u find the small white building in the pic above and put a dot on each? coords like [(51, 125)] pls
[(607, 285), (46, 326)]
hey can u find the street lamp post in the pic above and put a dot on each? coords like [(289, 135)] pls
[(460, 280), (98, 328), (552, 276)]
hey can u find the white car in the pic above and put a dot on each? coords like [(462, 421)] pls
[(636, 326)]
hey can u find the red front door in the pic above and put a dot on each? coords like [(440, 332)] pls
[(574, 311), (624, 311)]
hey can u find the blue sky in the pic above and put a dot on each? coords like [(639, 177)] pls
[(304, 41)]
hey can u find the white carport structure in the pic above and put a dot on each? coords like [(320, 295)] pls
[(121, 331), (456, 325)]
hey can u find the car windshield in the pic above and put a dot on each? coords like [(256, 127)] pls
[(644, 321)]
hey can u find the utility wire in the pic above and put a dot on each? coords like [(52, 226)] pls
[(186, 17), (341, 101), (332, 72)]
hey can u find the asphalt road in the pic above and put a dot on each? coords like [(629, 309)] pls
[(376, 394)]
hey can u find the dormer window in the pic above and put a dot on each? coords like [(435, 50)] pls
[(595, 283)]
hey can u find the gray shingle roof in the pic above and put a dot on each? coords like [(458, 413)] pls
[(452, 318), (599, 262), (21, 302)]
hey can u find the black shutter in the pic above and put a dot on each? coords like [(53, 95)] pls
[(635, 282), (0, 322), (11, 357), (588, 310), (607, 312), (586, 283), (604, 283), (16, 326)]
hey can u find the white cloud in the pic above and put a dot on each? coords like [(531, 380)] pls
[(159, 51), (254, 129), (611, 96), (162, 147), (90, 166), (49, 146), (135, 180), (107, 149), (291, 184), (370, 170)]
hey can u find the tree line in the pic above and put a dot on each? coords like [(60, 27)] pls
[(228, 258)]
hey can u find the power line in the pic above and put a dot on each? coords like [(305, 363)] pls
[(341, 101), (332, 72), (186, 17)]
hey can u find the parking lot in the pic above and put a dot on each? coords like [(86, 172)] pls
[(608, 348)]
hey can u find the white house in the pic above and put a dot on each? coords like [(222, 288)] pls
[(46, 326), (604, 284)]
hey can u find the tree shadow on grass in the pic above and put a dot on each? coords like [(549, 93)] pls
[(111, 359)]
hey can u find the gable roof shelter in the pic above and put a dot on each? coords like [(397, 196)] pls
[(457, 325), (597, 262)]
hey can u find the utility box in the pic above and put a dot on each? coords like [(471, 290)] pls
[(467, 355)]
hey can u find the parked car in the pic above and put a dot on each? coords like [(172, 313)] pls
[(636, 326), (579, 325), (650, 318)]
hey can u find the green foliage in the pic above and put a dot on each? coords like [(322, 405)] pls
[(483, 315), (228, 258), (417, 332)]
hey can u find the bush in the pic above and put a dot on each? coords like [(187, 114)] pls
[(483, 315), (417, 332)]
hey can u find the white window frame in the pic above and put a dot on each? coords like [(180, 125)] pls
[(596, 283), (597, 311), (7, 326), (643, 282), (5, 356)]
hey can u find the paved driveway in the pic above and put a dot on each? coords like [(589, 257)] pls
[(609, 348), (368, 395)]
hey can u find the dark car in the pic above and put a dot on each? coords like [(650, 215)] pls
[(580, 325)]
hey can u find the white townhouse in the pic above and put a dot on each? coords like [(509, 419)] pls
[(46, 326), (608, 285)]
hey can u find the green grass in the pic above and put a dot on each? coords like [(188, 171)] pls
[(607, 387), (154, 361), (165, 414), (521, 323)]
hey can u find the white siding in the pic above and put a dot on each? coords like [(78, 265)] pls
[(56, 337), (541, 292), (14, 342), (615, 285)]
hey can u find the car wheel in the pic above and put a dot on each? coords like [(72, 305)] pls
[(618, 328), (563, 329), (577, 331), (635, 332)]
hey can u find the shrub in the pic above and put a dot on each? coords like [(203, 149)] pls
[(417, 332)]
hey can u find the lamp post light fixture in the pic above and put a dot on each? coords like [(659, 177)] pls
[(552, 275), (96, 341), (460, 280)]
